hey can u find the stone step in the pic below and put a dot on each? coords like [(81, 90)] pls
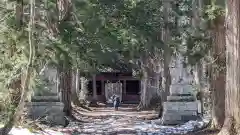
[(174, 120), (180, 106), (169, 117), (180, 98)]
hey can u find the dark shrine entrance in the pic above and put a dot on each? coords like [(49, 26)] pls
[(130, 86), (98, 85)]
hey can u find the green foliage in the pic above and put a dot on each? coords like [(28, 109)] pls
[(214, 10), (42, 87)]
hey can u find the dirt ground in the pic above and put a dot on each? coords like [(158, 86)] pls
[(104, 120)]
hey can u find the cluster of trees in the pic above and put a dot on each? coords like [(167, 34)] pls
[(143, 36)]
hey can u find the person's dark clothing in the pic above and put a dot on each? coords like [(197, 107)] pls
[(116, 102)]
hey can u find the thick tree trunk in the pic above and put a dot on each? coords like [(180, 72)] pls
[(198, 77), (65, 88), (15, 91), (199, 73), (75, 87), (218, 74), (167, 74), (15, 86), (144, 102), (150, 91), (167, 53), (232, 96), (19, 13)]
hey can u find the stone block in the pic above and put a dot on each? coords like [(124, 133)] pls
[(179, 112), (187, 118), (50, 112), (184, 112), (173, 116), (178, 117), (181, 89), (181, 106)]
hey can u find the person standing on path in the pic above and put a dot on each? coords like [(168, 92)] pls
[(116, 102)]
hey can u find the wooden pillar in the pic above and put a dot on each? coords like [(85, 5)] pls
[(77, 84), (140, 86), (94, 87), (102, 87), (124, 87)]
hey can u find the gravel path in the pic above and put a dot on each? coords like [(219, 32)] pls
[(127, 121)]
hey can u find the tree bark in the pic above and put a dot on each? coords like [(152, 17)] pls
[(150, 91), (19, 13), (144, 102), (218, 74), (65, 87), (232, 96), (75, 87), (15, 85), (167, 52), (199, 66), (167, 74)]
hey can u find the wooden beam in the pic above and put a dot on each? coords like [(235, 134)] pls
[(94, 87)]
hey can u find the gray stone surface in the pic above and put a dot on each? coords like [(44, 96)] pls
[(181, 112), (181, 89), (45, 99), (181, 105), (180, 98), (50, 112)]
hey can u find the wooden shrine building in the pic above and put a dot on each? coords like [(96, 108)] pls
[(128, 88)]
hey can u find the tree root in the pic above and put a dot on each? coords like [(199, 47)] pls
[(229, 127), (140, 106), (82, 104), (208, 125)]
